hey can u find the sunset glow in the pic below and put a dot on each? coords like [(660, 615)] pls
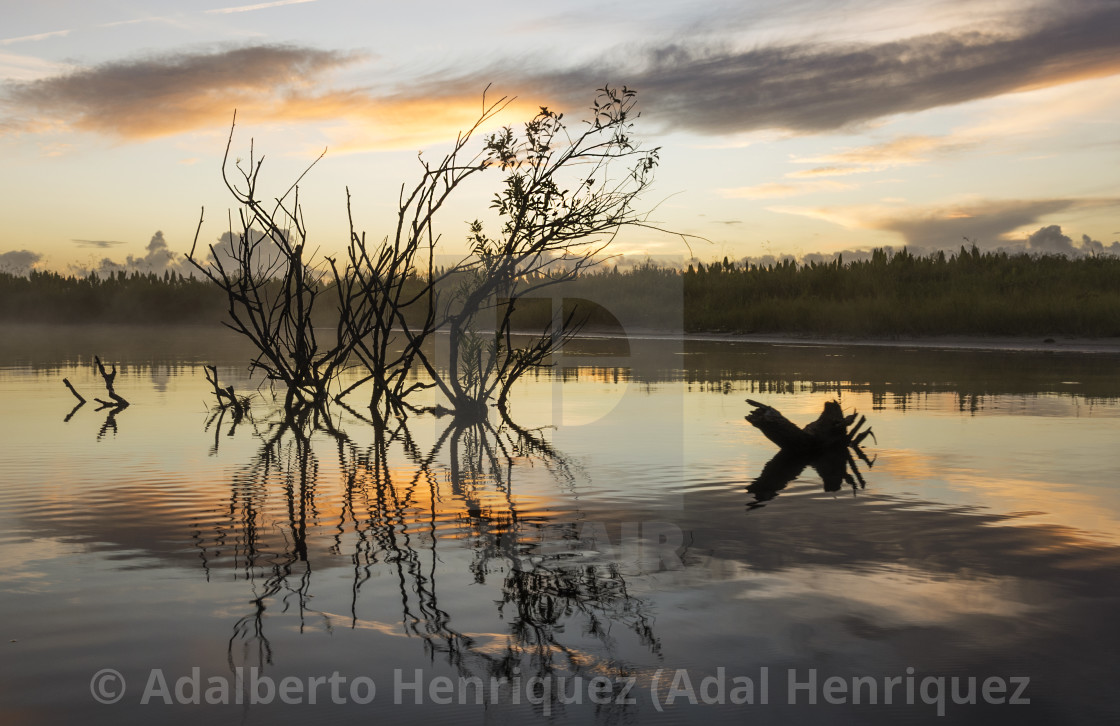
[(814, 128)]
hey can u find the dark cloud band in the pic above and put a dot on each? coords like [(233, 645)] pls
[(805, 87), (175, 92), (815, 88)]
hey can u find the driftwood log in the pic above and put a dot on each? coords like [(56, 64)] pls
[(831, 429), (826, 445)]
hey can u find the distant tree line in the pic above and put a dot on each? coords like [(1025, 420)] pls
[(120, 297), (968, 292)]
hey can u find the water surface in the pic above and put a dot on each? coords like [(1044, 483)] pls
[(626, 539)]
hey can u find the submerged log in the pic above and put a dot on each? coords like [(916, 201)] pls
[(829, 430), (826, 445)]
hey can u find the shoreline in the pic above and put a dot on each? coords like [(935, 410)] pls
[(1010, 343), (997, 343)]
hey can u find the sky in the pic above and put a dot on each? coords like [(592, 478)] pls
[(785, 127)]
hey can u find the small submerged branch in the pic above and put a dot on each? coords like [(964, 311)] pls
[(226, 396), (81, 401), (116, 401)]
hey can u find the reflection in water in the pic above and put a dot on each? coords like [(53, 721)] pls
[(457, 491), (112, 406), (896, 377), (276, 568), (109, 424), (832, 465), (984, 545), (827, 445)]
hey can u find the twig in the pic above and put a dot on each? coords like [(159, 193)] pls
[(117, 401), (226, 396), (76, 394)]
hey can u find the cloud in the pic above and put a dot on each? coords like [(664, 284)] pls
[(19, 262), (149, 97), (1050, 240), (137, 21), (104, 268), (823, 171), (37, 36), (1094, 247), (17, 68), (100, 243), (989, 223), (1046, 241), (899, 151), (267, 257), (159, 256), (258, 6), (772, 190), (167, 94), (694, 85), (815, 87)]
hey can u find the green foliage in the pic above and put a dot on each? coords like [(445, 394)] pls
[(969, 292), (561, 201)]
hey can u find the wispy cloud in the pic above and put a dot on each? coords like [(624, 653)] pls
[(773, 190), (21, 68), (140, 21), (900, 151), (37, 36), (99, 243), (988, 222), (826, 171), (258, 6)]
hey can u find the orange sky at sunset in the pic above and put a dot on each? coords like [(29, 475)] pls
[(816, 127)]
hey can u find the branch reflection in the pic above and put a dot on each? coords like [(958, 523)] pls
[(413, 507)]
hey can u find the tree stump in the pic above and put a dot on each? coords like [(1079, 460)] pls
[(831, 429), (826, 445)]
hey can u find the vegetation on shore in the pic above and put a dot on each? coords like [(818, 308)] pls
[(119, 298), (968, 293)]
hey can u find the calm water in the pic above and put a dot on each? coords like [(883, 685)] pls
[(621, 565)]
